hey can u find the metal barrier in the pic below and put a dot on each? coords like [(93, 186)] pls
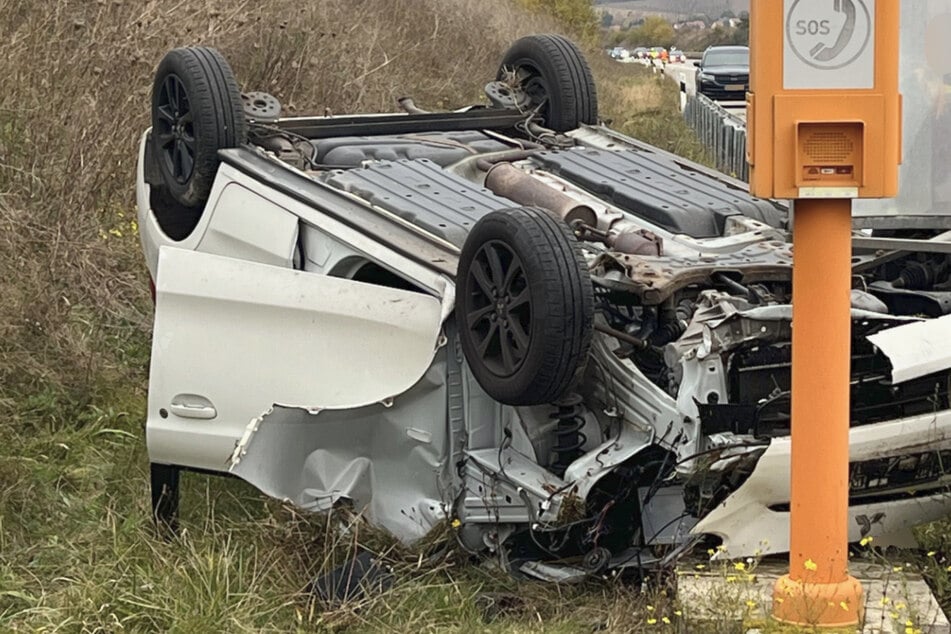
[(721, 132)]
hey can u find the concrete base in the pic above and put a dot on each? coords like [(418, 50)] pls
[(716, 595)]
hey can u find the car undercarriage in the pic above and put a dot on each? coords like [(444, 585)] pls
[(572, 346)]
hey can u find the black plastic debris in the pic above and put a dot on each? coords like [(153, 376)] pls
[(362, 575)]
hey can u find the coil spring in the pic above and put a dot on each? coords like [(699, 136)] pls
[(569, 439)]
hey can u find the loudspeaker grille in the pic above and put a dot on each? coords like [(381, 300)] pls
[(828, 147)]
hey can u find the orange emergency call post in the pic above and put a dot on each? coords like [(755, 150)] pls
[(823, 125), (824, 112)]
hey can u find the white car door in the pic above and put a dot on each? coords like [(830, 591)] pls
[(232, 338)]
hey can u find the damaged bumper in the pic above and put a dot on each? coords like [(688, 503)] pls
[(897, 478)]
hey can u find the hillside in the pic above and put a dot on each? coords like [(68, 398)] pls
[(673, 9)]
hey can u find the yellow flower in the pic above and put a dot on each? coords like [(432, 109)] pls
[(700, 566), (865, 541), (115, 232), (897, 568), (665, 620), (456, 523), (650, 608), (844, 605), (731, 579), (932, 553), (810, 565), (900, 605), (678, 613), (750, 603), (739, 565), (651, 621), (710, 551), (884, 601)]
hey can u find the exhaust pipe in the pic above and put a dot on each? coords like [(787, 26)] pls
[(509, 181)]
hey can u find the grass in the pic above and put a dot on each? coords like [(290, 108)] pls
[(647, 106), (77, 553)]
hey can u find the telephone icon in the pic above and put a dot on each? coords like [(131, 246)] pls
[(821, 52)]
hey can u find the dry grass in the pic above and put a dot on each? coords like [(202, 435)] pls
[(76, 550), (647, 106)]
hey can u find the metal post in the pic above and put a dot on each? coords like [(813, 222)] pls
[(818, 590)]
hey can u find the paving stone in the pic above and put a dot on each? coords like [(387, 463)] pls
[(719, 598)]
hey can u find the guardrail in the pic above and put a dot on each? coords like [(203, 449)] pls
[(720, 131)]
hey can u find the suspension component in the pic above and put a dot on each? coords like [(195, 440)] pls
[(917, 276), (675, 323), (569, 439)]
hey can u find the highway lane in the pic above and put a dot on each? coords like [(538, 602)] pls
[(687, 73)]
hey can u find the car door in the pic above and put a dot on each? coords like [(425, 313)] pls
[(233, 337)]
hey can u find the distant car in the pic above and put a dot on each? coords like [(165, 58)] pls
[(678, 56), (724, 72), (641, 52)]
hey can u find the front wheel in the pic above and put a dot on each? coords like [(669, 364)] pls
[(525, 306)]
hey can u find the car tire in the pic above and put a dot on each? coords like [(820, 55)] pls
[(525, 306), (196, 111), (556, 76)]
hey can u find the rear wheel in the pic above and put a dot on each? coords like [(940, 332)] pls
[(552, 71), (196, 111), (525, 306)]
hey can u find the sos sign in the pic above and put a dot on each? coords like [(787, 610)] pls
[(828, 44), (813, 27)]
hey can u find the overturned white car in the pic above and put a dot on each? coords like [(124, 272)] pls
[(573, 343)]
